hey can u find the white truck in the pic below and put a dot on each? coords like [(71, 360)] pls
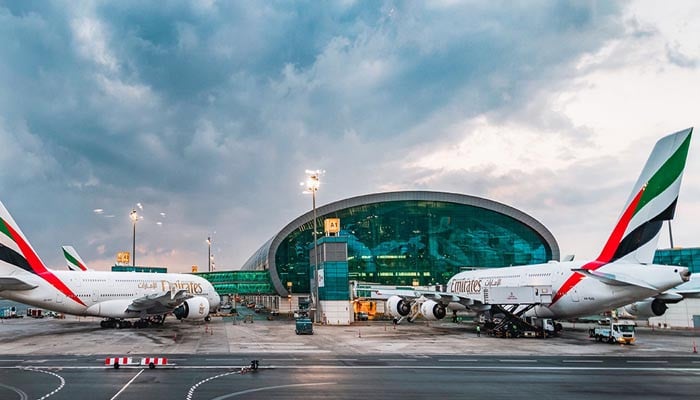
[(614, 332)]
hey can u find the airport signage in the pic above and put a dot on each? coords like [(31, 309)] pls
[(331, 225)]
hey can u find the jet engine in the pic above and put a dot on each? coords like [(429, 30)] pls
[(647, 308), (194, 308), (432, 311), (398, 307)]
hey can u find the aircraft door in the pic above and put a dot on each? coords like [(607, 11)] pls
[(574, 295)]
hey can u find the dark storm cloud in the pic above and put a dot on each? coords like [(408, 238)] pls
[(211, 112)]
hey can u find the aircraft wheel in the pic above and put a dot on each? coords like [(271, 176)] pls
[(151, 366), (103, 324), (207, 318)]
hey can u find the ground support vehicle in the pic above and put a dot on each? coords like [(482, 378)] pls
[(304, 326), (614, 332)]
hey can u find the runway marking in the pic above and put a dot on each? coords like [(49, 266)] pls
[(226, 396), (398, 359), (458, 360), (452, 366), (517, 361), (190, 392), (282, 359), (582, 361), (646, 362), (338, 359), (13, 360), (127, 385), (22, 394), (223, 359), (63, 382)]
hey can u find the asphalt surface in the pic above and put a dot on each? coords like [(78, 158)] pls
[(65, 359), (364, 377)]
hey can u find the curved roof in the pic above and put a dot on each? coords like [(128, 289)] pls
[(264, 258)]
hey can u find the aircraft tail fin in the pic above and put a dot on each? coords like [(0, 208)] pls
[(17, 256), (15, 250), (653, 200), (73, 260)]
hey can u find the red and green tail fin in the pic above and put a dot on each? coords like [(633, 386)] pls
[(17, 255), (73, 260), (653, 200)]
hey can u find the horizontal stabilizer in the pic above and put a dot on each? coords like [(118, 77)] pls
[(615, 279), (13, 283)]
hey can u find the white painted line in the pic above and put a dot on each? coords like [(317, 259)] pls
[(127, 385), (518, 361), (647, 362), (234, 394), (338, 359), (281, 359), (582, 361), (22, 394), (63, 383), (13, 360), (431, 367), (398, 359), (223, 359), (459, 360)]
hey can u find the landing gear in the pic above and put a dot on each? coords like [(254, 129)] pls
[(112, 323)]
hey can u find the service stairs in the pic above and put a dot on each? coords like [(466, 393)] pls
[(512, 325)]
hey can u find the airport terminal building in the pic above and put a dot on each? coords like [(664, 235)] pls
[(408, 238)]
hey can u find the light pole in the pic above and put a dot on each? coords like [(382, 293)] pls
[(209, 255), (134, 217), (313, 181)]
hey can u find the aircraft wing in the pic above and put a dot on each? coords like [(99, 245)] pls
[(14, 283), (439, 297), (159, 303)]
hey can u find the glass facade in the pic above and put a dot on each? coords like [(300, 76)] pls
[(684, 257), (415, 243), (239, 282)]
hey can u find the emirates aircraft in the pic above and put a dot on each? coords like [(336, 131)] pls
[(73, 260), (116, 296), (622, 274)]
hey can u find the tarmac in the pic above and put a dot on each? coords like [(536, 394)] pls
[(223, 335)]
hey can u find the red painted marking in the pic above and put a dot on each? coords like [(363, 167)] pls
[(614, 240), (608, 251), (39, 268)]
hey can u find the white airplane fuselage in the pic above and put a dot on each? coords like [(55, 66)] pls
[(102, 293), (575, 294)]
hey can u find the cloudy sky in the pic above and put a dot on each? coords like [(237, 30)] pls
[(207, 114)]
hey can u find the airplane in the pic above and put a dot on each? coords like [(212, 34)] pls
[(73, 260), (622, 274), (115, 296)]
